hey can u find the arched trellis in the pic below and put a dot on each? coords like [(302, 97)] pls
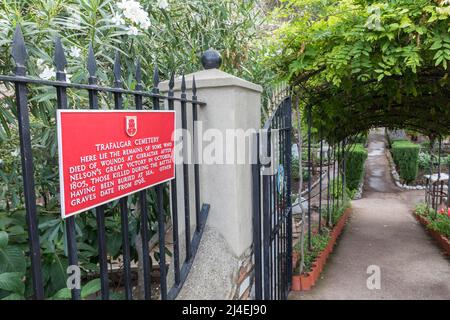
[(427, 113)]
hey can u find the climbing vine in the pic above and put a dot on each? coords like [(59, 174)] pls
[(366, 63)]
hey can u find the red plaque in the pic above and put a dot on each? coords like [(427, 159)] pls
[(105, 155)]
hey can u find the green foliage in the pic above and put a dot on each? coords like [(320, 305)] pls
[(87, 290), (360, 138), (174, 38), (12, 282), (355, 158), (441, 224), (337, 212), (336, 188), (365, 63), (422, 209), (295, 170), (424, 160), (438, 221), (406, 158), (318, 243)]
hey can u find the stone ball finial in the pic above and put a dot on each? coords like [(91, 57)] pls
[(211, 59)]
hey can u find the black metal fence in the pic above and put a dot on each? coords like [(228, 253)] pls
[(272, 215), (273, 219), (181, 269)]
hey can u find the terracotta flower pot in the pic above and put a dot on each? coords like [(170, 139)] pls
[(305, 282), (295, 257), (446, 244), (330, 246), (326, 253), (319, 264), (314, 273), (296, 283)]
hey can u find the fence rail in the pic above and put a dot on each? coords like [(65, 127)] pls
[(180, 269)]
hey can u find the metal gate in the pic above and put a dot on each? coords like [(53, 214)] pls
[(272, 209), (151, 199)]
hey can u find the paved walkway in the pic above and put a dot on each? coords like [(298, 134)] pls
[(382, 232)]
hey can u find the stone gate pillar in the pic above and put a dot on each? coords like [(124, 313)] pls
[(223, 267)]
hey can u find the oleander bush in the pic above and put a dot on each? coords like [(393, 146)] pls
[(170, 33), (354, 170), (406, 158)]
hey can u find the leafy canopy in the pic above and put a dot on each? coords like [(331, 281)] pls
[(366, 63)]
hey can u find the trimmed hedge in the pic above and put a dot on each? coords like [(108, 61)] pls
[(406, 158), (360, 138), (354, 171)]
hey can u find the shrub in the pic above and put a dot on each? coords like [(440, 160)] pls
[(406, 158), (294, 171), (424, 160), (336, 189), (354, 169), (441, 224), (439, 221), (360, 138), (318, 243)]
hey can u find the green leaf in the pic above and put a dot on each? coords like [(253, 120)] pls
[(3, 239), (12, 281), (12, 259), (14, 296), (436, 45), (62, 294), (58, 272), (91, 287), (116, 296)]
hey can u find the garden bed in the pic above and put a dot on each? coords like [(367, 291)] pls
[(442, 240), (306, 281)]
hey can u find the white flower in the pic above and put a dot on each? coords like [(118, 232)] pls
[(75, 52), (133, 31), (145, 24), (15, 153), (40, 62), (47, 73), (68, 76), (133, 11), (443, 11), (163, 4), (117, 19)]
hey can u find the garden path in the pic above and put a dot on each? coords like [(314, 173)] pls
[(382, 232)]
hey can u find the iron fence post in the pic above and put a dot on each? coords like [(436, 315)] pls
[(61, 101), (99, 211), (320, 183), (173, 193), (309, 177), (20, 55), (118, 105), (147, 267), (187, 215), (256, 192)]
